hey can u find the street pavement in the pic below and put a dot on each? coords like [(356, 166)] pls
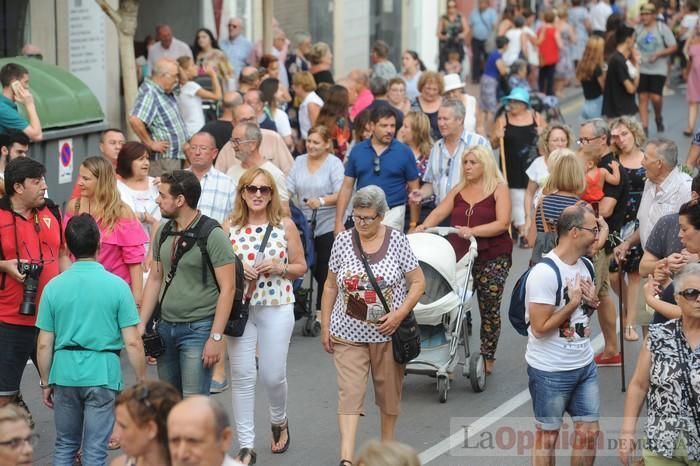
[(497, 420)]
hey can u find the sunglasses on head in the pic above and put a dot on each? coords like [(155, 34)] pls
[(691, 294), (264, 190)]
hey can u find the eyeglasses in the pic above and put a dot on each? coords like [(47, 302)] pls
[(691, 294), (17, 442), (238, 142), (264, 190), (584, 141), (594, 230), (200, 148), (363, 220), (377, 165)]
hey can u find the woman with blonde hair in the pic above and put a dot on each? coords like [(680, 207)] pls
[(321, 59), (387, 454), (590, 72), (480, 206), (122, 238), (415, 133), (256, 219)]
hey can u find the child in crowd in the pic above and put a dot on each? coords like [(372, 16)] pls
[(518, 75), (596, 177), (453, 65)]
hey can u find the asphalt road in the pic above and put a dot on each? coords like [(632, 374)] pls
[(498, 420)]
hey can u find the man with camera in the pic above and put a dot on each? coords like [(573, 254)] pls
[(31, 253)]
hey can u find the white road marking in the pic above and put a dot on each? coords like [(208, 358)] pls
[(458, 438)]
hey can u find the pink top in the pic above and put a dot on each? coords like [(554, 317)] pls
[(364, 99), (121, 247)]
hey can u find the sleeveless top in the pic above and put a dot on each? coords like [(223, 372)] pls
[(549, 51), (453, 29), (636, 178), (520, 144), (480, 213), (270, 290), (432, 117), (593, 192)]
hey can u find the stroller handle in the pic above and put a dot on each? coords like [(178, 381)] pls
[(444, 231)]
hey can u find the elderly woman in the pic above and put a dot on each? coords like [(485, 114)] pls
[(554, 136), (628, 139), (480, 206), (16, 438), (397, 95), (355, 327), (313, 184), (141, 413), (666, 378), (269, 275), (431, 86)]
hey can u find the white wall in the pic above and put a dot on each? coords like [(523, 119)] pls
[(351, 33), (422, 24)]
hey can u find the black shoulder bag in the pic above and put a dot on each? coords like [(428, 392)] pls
[(687, 386), (406, 339)]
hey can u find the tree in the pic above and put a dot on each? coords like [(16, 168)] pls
[(125, 19)]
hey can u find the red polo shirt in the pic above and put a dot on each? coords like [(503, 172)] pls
[(38, 236)]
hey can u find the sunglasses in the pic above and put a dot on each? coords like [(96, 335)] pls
[(264, 190), (691, 294), (377, 165)]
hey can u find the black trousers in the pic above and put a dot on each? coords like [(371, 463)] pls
[(478, 59), (546, 79), (322, 245)]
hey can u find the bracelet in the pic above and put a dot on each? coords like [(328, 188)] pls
[(284, 272), (322, 201), (42, 385)]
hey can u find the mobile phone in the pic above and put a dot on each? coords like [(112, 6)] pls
[(16, 87)]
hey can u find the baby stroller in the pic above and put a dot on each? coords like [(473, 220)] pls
[(444, 311), (303, 297)]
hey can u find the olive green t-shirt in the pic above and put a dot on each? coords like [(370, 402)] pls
[(188, 299)]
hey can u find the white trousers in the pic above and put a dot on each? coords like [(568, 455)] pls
[(395, 217), (269, 329)]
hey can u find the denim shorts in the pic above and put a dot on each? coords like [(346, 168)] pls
[(554, 393), (19, 344)]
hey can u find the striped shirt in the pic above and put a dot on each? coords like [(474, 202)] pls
[(443, 170), (159, 112), (218, 191), (552, 206)]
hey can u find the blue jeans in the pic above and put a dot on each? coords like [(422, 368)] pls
[(554, 393), (181, 364), (592, 108), (83, 415)]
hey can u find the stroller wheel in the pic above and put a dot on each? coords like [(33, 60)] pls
[(477, 372), (443, 385)]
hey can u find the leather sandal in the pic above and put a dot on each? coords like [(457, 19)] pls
[(244, 453), (277, 434)]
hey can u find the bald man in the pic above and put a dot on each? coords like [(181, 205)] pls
[(272, 147), (166, 46), (199, 433)]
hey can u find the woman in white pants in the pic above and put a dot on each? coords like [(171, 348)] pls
[(271, 319)]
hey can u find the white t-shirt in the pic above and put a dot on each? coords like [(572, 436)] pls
[(190, 105), (599, 15), (470, 113), (236, 171), (304, 120), (141, 201), (282, 123), (514, 46), (538, 172), (688, 22), (568, 347), (531, 52)]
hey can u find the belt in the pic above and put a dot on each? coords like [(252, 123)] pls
[(81, 348)]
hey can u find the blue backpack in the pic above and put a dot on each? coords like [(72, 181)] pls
[(516, 310)]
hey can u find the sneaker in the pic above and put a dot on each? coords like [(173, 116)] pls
[(218, 387), (668, 91), (612, 361)]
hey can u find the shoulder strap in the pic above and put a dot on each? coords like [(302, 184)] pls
[(589, 265), (553, 265), (370, 275), (164, 233), (56, 211), (204, 228)]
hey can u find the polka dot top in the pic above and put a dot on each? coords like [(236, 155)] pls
[(270, 290)]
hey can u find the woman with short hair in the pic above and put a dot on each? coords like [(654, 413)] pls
[(355, 326), (141, 413), (479, 206), (304, 87), (321, 59), (666, 382), (431, 86)]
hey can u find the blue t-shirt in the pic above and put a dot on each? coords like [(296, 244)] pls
[(86, 308), (482, 22), (10, 119), (397, 166), (490, 68)]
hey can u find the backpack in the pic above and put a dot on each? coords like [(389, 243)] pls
[(198, 235), (516, 310)]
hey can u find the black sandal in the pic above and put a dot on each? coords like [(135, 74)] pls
[(244, 453), (277, 433)]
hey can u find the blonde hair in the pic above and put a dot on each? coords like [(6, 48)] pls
[(428, 77), (543, 140), (240, 214), (633, 126), (387, 454), (304, 79), (593, 55), (566, 173), (106, 206), (420, 130), (12, 413), (318, 52), (492, 176)]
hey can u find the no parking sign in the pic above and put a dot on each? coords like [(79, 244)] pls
[(65, 161)]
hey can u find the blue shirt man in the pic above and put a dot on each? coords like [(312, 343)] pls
[(236, 46), (482, 21), (385, 162), (79, 357)]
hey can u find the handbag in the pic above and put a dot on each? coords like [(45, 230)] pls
[(405, 341)]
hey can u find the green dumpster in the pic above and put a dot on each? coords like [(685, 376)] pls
[(71, 121)]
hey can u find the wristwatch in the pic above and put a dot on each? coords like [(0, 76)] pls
[(216, 336)]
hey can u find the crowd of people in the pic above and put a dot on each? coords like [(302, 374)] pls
[(236, 145)]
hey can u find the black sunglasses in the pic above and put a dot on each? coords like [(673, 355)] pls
[(377, 166), (691, 294), (264, 190)]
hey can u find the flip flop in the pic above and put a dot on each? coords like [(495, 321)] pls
[(277, 433)]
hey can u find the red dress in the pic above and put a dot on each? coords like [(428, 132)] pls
[(549, 51), (593, 192)]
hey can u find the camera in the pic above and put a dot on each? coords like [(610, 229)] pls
[(31, 272)]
